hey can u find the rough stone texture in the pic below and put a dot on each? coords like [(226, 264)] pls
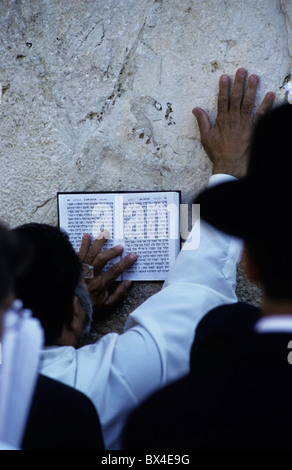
[(97, 95)]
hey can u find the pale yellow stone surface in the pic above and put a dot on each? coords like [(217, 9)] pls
[(98, 94)]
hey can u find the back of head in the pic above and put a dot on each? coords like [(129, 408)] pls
[(270, 147), (11, 260), (271, 167), (49, 281)]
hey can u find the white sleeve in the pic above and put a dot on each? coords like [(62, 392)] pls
[(155, 347), (200, 280)]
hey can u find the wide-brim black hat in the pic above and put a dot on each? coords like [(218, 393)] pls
[(258, 206)]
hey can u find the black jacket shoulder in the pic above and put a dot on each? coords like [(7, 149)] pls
[(61, 418)]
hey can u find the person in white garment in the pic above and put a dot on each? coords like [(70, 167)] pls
[(21, 339), (118, 372), (36, 412)]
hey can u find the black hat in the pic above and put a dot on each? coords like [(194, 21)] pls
[(258, 206)]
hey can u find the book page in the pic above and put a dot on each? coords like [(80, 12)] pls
[(146, 223), (81, 213), (151, 229)]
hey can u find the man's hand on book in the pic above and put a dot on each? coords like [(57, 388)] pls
[(100, 285), (227, 141)]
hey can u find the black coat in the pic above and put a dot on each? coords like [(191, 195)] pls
[(61, 418), (238, 394)]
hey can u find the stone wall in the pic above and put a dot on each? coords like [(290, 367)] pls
[(97, 95)]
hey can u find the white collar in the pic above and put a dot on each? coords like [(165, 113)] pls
[(276, 323), (21, 342)]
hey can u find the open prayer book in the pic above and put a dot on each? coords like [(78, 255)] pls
[(146, 223)]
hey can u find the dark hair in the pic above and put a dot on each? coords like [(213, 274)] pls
[(273, 260), (270, 145), (48, 283), (270, 165), (11, 261)]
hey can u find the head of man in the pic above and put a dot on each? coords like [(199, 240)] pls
[(256, 208), (52, 286), (12, 258)]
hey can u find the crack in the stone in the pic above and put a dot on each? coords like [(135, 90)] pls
[(42, 205), (283, 9), (122, 77)]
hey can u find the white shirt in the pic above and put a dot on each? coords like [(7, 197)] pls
[(21, 343), (5, 446), (120, 371), (274, 324)]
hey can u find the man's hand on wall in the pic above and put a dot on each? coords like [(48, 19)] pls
[(227, 141)]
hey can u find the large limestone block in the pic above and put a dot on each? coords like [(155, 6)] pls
[(97, 94)]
